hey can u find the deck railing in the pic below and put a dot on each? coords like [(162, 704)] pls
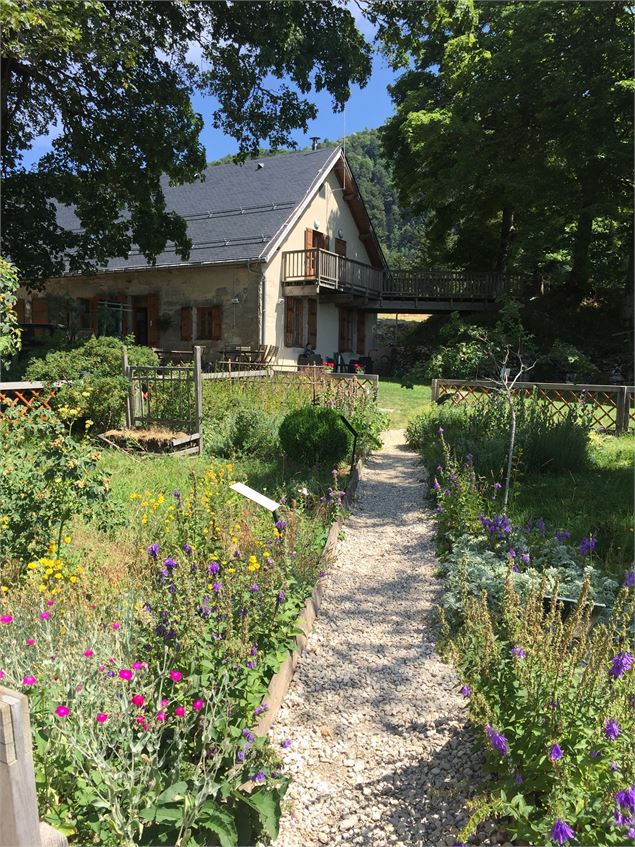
[(435, 284), (301, 267)]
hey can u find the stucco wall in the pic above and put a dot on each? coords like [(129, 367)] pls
[(329, 209)]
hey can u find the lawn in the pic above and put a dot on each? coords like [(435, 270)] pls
[(402, 403)]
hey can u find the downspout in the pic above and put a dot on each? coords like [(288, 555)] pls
[(261, 300)]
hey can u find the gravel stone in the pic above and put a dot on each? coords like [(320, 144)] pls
[(381, 754)]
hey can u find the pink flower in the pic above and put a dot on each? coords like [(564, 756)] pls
[(89, 654), (165, 702), (29, 680), (1, 674), (62, 711), (125, 673), (49, 602), (140, 719), (179, 711), (102, 717), (6, 619), (30, 642), (101, 667), (116, 625), (44, 616), (176, 676), (197, 705), (138, 699), (137, 665), (161, 716)]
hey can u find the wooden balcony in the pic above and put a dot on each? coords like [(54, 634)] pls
[(329, 270), (432, 284)]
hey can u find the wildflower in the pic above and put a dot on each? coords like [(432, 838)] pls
[(153, 550), (498, 741), (497, 486), (213, 567), (138, 665), (322, 574), (29, 680), (620, 664), (170, 564), (561, 832), (248, 735), (436, 485), (102, 717), (30, 642), (612, 729), (2, 674), (116, 625), (555, 754), (198, 704), (614, 766), (518, 779), (254, 588), (6, 619), (629, 579), (587, 545), (125, 673), (176, 676), (526, 558), (519, 652), (286, 744), (216, 587), (281, 525), (250, 665), (50, 602), (44, 616), (281, 596), (62, 711), (465, 690), (240, 756), (440, 431), (259, 777), (626, 799), (187, 549), (138, 699), (160, 718), (165, 702), (179, 711), (562, 535)]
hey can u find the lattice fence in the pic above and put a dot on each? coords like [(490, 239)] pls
[(26, 395), (610, 407)]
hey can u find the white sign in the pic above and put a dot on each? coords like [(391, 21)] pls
[(256, 496)]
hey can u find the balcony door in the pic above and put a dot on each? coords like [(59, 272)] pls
[(313, 239)]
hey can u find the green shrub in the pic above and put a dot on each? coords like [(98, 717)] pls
[(254, 431), (97, 388), (315, 436), (46, 479)]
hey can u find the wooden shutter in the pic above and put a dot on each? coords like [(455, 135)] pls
[(340, 247), (20, 310), (217, 323), (186, 323), (361, 333), (153, 314), (39, 310), (289, 320), (312, 324), (309, 261)]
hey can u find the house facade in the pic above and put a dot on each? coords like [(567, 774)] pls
[(283, 253)]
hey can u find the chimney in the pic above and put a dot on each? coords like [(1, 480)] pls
[(315, 140)]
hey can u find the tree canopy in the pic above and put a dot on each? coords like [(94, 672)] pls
[(115, 79), (513, 134)]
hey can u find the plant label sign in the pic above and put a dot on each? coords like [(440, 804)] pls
[(256, 496)]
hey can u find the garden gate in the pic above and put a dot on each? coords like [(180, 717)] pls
[(168, 397)]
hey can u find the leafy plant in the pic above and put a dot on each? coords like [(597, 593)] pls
[(315, 436)]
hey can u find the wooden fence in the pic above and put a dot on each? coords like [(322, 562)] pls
[(611, 407), (26, 395)]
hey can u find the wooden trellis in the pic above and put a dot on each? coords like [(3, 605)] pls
[(27, 395), (610, 407)]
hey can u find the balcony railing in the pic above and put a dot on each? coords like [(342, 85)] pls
[(301, 267), (437, 284)]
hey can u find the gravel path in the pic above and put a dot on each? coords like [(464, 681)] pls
[(380, 754)]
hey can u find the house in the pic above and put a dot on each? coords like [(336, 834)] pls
[(283, 253)]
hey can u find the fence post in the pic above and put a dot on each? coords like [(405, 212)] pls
[(435, 390), (126, 374), (621, 413), (198, 395)]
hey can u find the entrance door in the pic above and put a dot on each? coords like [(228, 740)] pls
[(140, 323)]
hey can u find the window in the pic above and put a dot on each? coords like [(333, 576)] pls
[(209, 320), (293, 322), (312, 323), (361, 333), (345, 335)]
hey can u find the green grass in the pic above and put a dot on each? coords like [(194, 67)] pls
[(598, 500), (402, 403)]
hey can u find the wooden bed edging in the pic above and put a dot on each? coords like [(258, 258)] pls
[(281, 680)]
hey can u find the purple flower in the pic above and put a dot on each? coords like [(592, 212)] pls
[(281, 597), (562, 535), (217, 586), (170, 564), (555, 754), (322, 574), (594, 754), (153, 550), (439, 509), (259, 777), (281, 525), (498, 741), (519, 652), (626, 799), (631, 832), (186, 549), (629, 579), (286, 744), (525, 558), (612, 730), (561, 832), (614, 766), (250, 665), (511, 553), (436, 485), (465, 690), (587, 545), (254, 650), (518, 779), (254, 588), (259, 710), (248, 735), (440, 431), (497, 486), (213, 567), (240, 756), (620, 664)]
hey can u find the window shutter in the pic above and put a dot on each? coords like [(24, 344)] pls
[(312, 324), (20, 310), (39, 310), (289, 320), (186, 323), (153, 314), (217, 323), (340, 247), (361, 333)]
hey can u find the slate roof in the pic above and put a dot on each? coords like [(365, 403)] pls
[(236, 212)]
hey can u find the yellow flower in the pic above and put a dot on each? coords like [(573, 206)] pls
[(231, 570), (73, 579), (32, 566), (89, 423), (42, 587), (58, 575), (67, 539), (3, 588)]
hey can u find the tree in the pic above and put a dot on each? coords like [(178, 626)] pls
[(513, 132), (116, 80), (10, 336)]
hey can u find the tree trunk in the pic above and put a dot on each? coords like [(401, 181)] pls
[(507, 229), (580, 270)]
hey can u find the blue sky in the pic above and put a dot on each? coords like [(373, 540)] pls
[(367, 108)]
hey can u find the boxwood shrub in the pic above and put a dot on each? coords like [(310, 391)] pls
[(313, 435)]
